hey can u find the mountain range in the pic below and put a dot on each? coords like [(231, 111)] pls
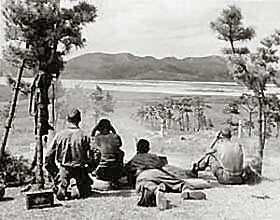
[(127, 66)]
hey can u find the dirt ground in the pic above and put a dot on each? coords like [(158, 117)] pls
[(260, 201)]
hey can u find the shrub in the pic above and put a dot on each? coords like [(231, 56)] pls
[(14, 170)]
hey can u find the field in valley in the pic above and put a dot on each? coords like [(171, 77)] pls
[(260, 201)]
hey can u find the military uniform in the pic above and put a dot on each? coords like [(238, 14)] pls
[(226, 163), (151, 178), (70, 148), (110, 167), (149, 173)]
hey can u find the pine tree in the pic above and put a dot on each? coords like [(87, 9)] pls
[(251, 69), (38, 35)]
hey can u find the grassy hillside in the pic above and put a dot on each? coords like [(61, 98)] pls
[(128, 66)]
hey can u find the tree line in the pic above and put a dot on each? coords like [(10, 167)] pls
[(184, 114), (248, 104)]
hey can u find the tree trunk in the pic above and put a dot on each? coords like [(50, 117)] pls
[(163, 127), (277, 129), (43, 84), (265, 129), (261, 134), (182, 122), (53, 106), (198, 122), (39, 152), (194, 122), (250, 124), (12, 111), (239, 129), (232, 46), (188, 121)]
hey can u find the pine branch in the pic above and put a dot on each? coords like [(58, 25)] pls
[(24, 86)]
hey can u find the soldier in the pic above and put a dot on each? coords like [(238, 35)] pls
[(142, 161), (104, 126), (71, 149), (225, 159), (152, 179), (110, 167)]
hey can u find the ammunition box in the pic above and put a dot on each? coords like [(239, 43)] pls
[(39, 199)]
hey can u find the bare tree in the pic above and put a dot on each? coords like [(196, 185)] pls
[(249, 103)]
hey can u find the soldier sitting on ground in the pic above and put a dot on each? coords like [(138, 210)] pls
[(226, 161), (110, 167), (71, 149), (104, 127)]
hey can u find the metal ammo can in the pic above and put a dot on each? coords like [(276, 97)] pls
[(39, 199)]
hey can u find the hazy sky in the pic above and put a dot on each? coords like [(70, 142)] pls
[(162, 28)]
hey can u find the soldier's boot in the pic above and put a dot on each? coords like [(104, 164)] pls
[(193, 195), (147, 197), (161, 201), (74, 192), (188, 193), (61, 193)]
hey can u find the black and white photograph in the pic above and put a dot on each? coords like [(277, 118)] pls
[(140, 109)]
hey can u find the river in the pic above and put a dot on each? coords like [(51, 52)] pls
[(170, 87)]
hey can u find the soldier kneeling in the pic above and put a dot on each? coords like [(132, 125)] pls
[(71, 149)]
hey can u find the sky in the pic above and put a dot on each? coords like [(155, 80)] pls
[(161, 28)]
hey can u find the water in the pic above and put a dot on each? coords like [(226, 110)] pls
[(170, 87)]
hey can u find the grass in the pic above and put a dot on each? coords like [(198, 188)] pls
[(223, 202), (5, 93)]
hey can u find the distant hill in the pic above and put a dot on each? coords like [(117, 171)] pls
[(128, 66)]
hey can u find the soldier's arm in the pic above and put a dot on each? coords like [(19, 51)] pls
[(118, 141), (211, 151), (120, 156), (97, 141), (130, 172), (135, 163), (86, 143), (94, 131), (94, 156), (112, 129), (212, 146), (157, 162)]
